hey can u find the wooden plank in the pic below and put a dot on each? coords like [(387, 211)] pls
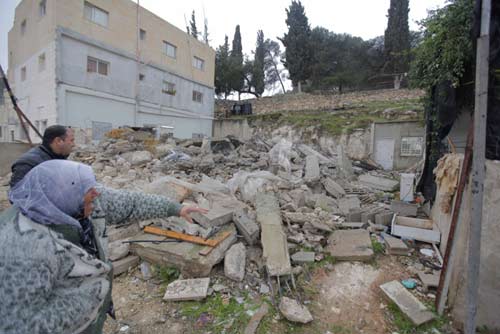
[(186, 237)]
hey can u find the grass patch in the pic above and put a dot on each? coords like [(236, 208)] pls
[(378, 248), (225, 314), (405, 326), (167, 274), (337, 329)]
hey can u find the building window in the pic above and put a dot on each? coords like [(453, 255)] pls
[(197, 96), (42, 8), (142, 34), (95, 14), (23, 27), (97, 66), (141, 77), (411, 146), (170, 49), (23, 73), (168, 88), (198, 63), (41, 62)]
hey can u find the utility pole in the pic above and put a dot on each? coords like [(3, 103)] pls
[(137, 63), (478, 166)]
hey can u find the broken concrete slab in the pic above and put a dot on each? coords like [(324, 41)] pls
[(404, 209), (344, 164), (234, 262), (116, 232), (425, 224), (294, 312), (348, 203), (395, 246), (333, 188), (350, 245), (429, 280), (123, 265), (273, 238), (118, 250), (352, 225), (384, 218), (311, 174), (168, 187), (354, 215), (298, 217), (306, 150), (248, 228), (183, 255), (378, 182), (216, 216), (254, 322), (420, 234), (303, 257), (407, 303), (325, 203), (187, 289)]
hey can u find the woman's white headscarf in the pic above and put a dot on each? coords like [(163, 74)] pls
[(53, 192)]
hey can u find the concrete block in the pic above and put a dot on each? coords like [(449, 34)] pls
[(273, 238), (168, 187), (312, 169), (216, 216), (429, 280), (123, 265), (368, 216), (404, 209), (333, 188), (348, 203), (407, 303), (377, 182), (420, 234), (383, 218), (234, 262), (183, 255), (246, 226), (350, 245), (395, 246), (187, 289), (354, 215), (303, 257)]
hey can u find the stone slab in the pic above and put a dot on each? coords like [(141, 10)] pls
[(429, 280), (350, 245), (395, 246), (348, 203), (420, 234), (248, 228), (378, 182), (352, 225), (306, 150), (123, 232), (383, 218), (312, 169), (344, 164), (295, 312), (183, 255), (118, 250), (187, 289), (123, 265), (234, 262), (407, 303), (303, 257), (404, 209), (216, 216), (168, 187), (354, 215), (273, 238), (333, 188)]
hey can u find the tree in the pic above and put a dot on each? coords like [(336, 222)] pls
[(258, 64), (236, 77), (397, 40), (271, 59), (193, 29), (205, 32), (222, 69), (296, 42)]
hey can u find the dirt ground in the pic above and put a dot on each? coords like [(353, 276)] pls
[(343, 297)]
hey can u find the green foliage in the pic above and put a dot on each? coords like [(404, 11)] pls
[(446, 48), (258, 64), (236, 74), (193, 30), (377, 247), (222, 69), (397, 38), (272, 74), (405, 326), (167, 274), (297, 43)]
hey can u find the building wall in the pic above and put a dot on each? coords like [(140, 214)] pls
[(458, 132), (238, 128), (395, 131)]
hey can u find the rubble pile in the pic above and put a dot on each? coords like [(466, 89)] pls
[(274, 207)]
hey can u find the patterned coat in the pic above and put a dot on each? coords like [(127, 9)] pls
[(48, 283)]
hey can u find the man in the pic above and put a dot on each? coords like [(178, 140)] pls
[(57, 143)]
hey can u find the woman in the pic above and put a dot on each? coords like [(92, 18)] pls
[(54, 275)]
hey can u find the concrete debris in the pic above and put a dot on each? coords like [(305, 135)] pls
[(294, 312), (447, 172), (138, 157), (348, 203), (118, 250), (333, 188), (216, 216), (384, 218), (169, 188), (354, 215), (254, 322), (123, 232), (377, 182), (395, 246), (404, 209), (303, 257), (350, 245), (234, 262), (307, 151), (352, 225), (273, 238), (421, 234), (311, 174), (246, 226), (429, 280), (407, 303), (188, 289), (123, 265), (344, 165)]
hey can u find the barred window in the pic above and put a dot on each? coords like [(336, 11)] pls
[(412, 146), (197, 96), (168, 88)]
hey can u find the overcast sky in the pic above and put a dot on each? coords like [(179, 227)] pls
[(363, 18)]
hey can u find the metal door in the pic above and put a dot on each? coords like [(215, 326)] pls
[(384, 153)]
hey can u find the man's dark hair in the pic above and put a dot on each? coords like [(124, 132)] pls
[(52, 132)]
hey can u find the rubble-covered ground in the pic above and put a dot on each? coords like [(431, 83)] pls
[(321, 198)]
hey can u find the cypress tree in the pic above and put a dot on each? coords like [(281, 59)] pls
[(258, 64), (397, 38), (222, 69), (193, 30), (236, 63)]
